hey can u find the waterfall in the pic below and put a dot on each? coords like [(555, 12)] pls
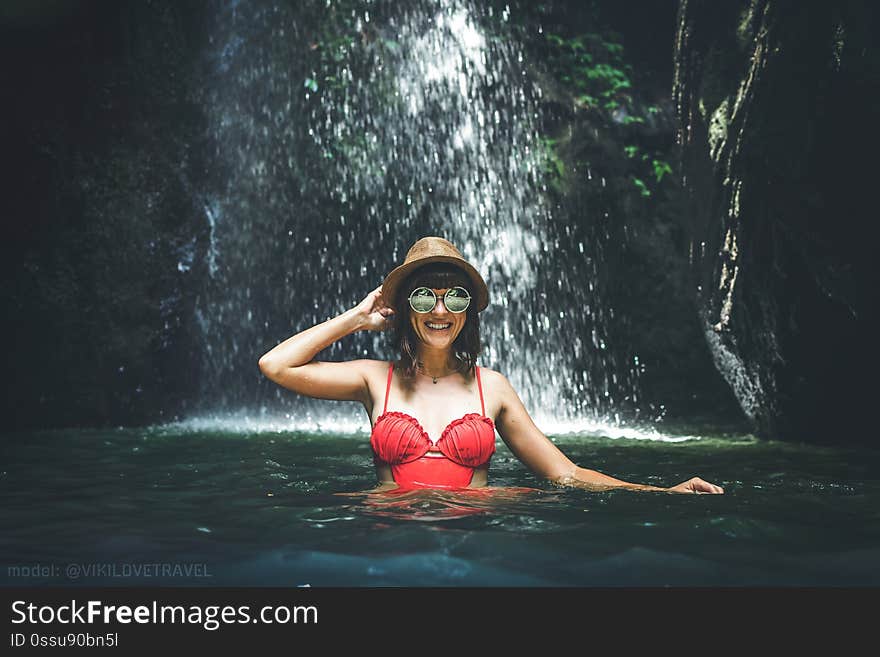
[(340, 135)]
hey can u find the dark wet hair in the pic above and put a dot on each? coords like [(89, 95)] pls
[(467, 345)]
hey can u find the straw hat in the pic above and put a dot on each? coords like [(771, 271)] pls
[(435, 249)]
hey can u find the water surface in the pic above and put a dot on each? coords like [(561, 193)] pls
[(261, 508)]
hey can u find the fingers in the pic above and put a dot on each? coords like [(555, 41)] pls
[(700, 486), (697, 486), (373, 295), (383, 307)]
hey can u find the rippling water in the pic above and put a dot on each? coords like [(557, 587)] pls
[(263, 508)]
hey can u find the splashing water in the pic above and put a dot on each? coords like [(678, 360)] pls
[(341, 136)]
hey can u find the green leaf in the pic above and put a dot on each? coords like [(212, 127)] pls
[(661, 168), (577, 44), (642, 187)]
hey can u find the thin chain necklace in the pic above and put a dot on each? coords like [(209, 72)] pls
[(433, 378)]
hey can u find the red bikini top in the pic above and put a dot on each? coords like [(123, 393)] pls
[(399, 438)]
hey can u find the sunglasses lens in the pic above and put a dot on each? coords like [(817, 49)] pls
[(457, 300), (422, 300)]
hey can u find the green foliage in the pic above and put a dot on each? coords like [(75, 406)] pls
[(592, 68), (659, 168), (553, 165)]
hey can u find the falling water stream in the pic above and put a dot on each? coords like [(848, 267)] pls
[(333, 154)]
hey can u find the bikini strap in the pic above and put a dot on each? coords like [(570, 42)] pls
[(388, 386), (480, 386)]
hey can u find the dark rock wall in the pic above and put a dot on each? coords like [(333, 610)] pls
[(776, 103), (101, 230)]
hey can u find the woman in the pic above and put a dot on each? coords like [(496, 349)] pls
[(433, 436)]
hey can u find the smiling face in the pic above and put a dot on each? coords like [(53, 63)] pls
[(438, 328), (431, 335)]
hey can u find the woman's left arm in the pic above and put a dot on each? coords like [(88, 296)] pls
[(534, 449)]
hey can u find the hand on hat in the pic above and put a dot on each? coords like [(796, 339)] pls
[(374, 314)]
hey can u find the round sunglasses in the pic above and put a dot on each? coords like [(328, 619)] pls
[(423, 299)]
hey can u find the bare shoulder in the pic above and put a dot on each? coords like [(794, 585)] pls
[(370, 368), (494, 376), (489, 375), (366, 367), (369, 364), (375, 372), (495, 383)]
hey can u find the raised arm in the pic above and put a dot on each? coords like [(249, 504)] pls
[(540, 455), (291, 364)]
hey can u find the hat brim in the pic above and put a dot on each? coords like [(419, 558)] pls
[(397, 275)]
